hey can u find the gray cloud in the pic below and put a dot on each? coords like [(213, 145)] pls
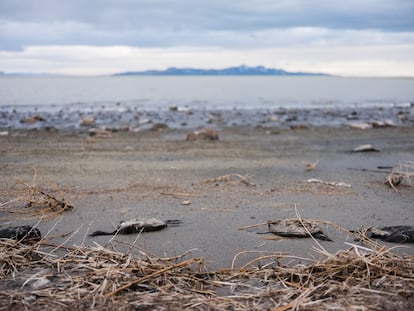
[(159, 23)]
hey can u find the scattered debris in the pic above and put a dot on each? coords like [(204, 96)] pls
[(393, 234), (139, 225), (24, 233), (394, 179), (232, 178), (365, 148), (310, 166), (33, 119), (207, 133), (44, 201), (329, 183), (38, 201)]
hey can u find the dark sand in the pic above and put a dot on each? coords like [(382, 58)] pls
[(129, 174)]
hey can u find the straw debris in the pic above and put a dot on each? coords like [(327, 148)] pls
[(233, 179), (38, 201), (401, 175), (96, 278)]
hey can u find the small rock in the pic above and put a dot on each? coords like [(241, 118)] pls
[(272, 132), (403, 105), (88, 120), (4, 133), (299, 127), (273, 119), (144, 121), (33, 119), (203, 134), (361, 126), (381, 124), (99, 132), (186, 202), (159, 127), (184, 109), (402, 116)]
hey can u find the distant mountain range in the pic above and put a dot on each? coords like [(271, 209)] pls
[(173, 71), (231, 71)]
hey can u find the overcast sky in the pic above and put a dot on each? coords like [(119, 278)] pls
[(352, 37)]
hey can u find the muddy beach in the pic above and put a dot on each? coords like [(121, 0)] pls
[(159, 174)]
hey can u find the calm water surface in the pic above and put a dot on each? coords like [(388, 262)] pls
[(200, 92)]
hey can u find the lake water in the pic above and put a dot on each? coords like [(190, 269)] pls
[(200, 92), (139, 101)]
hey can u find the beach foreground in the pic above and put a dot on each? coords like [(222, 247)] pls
[(249, 176), (151, 174)]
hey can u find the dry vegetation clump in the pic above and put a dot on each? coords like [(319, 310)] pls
[(38, 200), (33, 277), (403, 174)]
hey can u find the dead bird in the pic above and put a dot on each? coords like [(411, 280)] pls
[(138, 225), (393, 234), (24, 233), (296, 228)]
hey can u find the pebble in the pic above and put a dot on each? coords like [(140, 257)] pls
[(361, 126), (32, 119), (99, 132), (207, 133), (89, 120)]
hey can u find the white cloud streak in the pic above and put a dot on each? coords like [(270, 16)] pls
[(355, 37), (341, 60)]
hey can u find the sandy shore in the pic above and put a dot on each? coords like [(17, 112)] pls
[(132, 175)]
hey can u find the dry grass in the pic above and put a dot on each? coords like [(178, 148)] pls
[(401, 175), (32, 277), (45, 201)]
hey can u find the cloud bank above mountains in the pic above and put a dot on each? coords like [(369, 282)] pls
[(362, 37)]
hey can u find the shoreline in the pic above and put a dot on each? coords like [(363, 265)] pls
[(131, 174), (124, 118)]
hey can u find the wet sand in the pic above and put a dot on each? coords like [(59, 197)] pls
[(139, 174)]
